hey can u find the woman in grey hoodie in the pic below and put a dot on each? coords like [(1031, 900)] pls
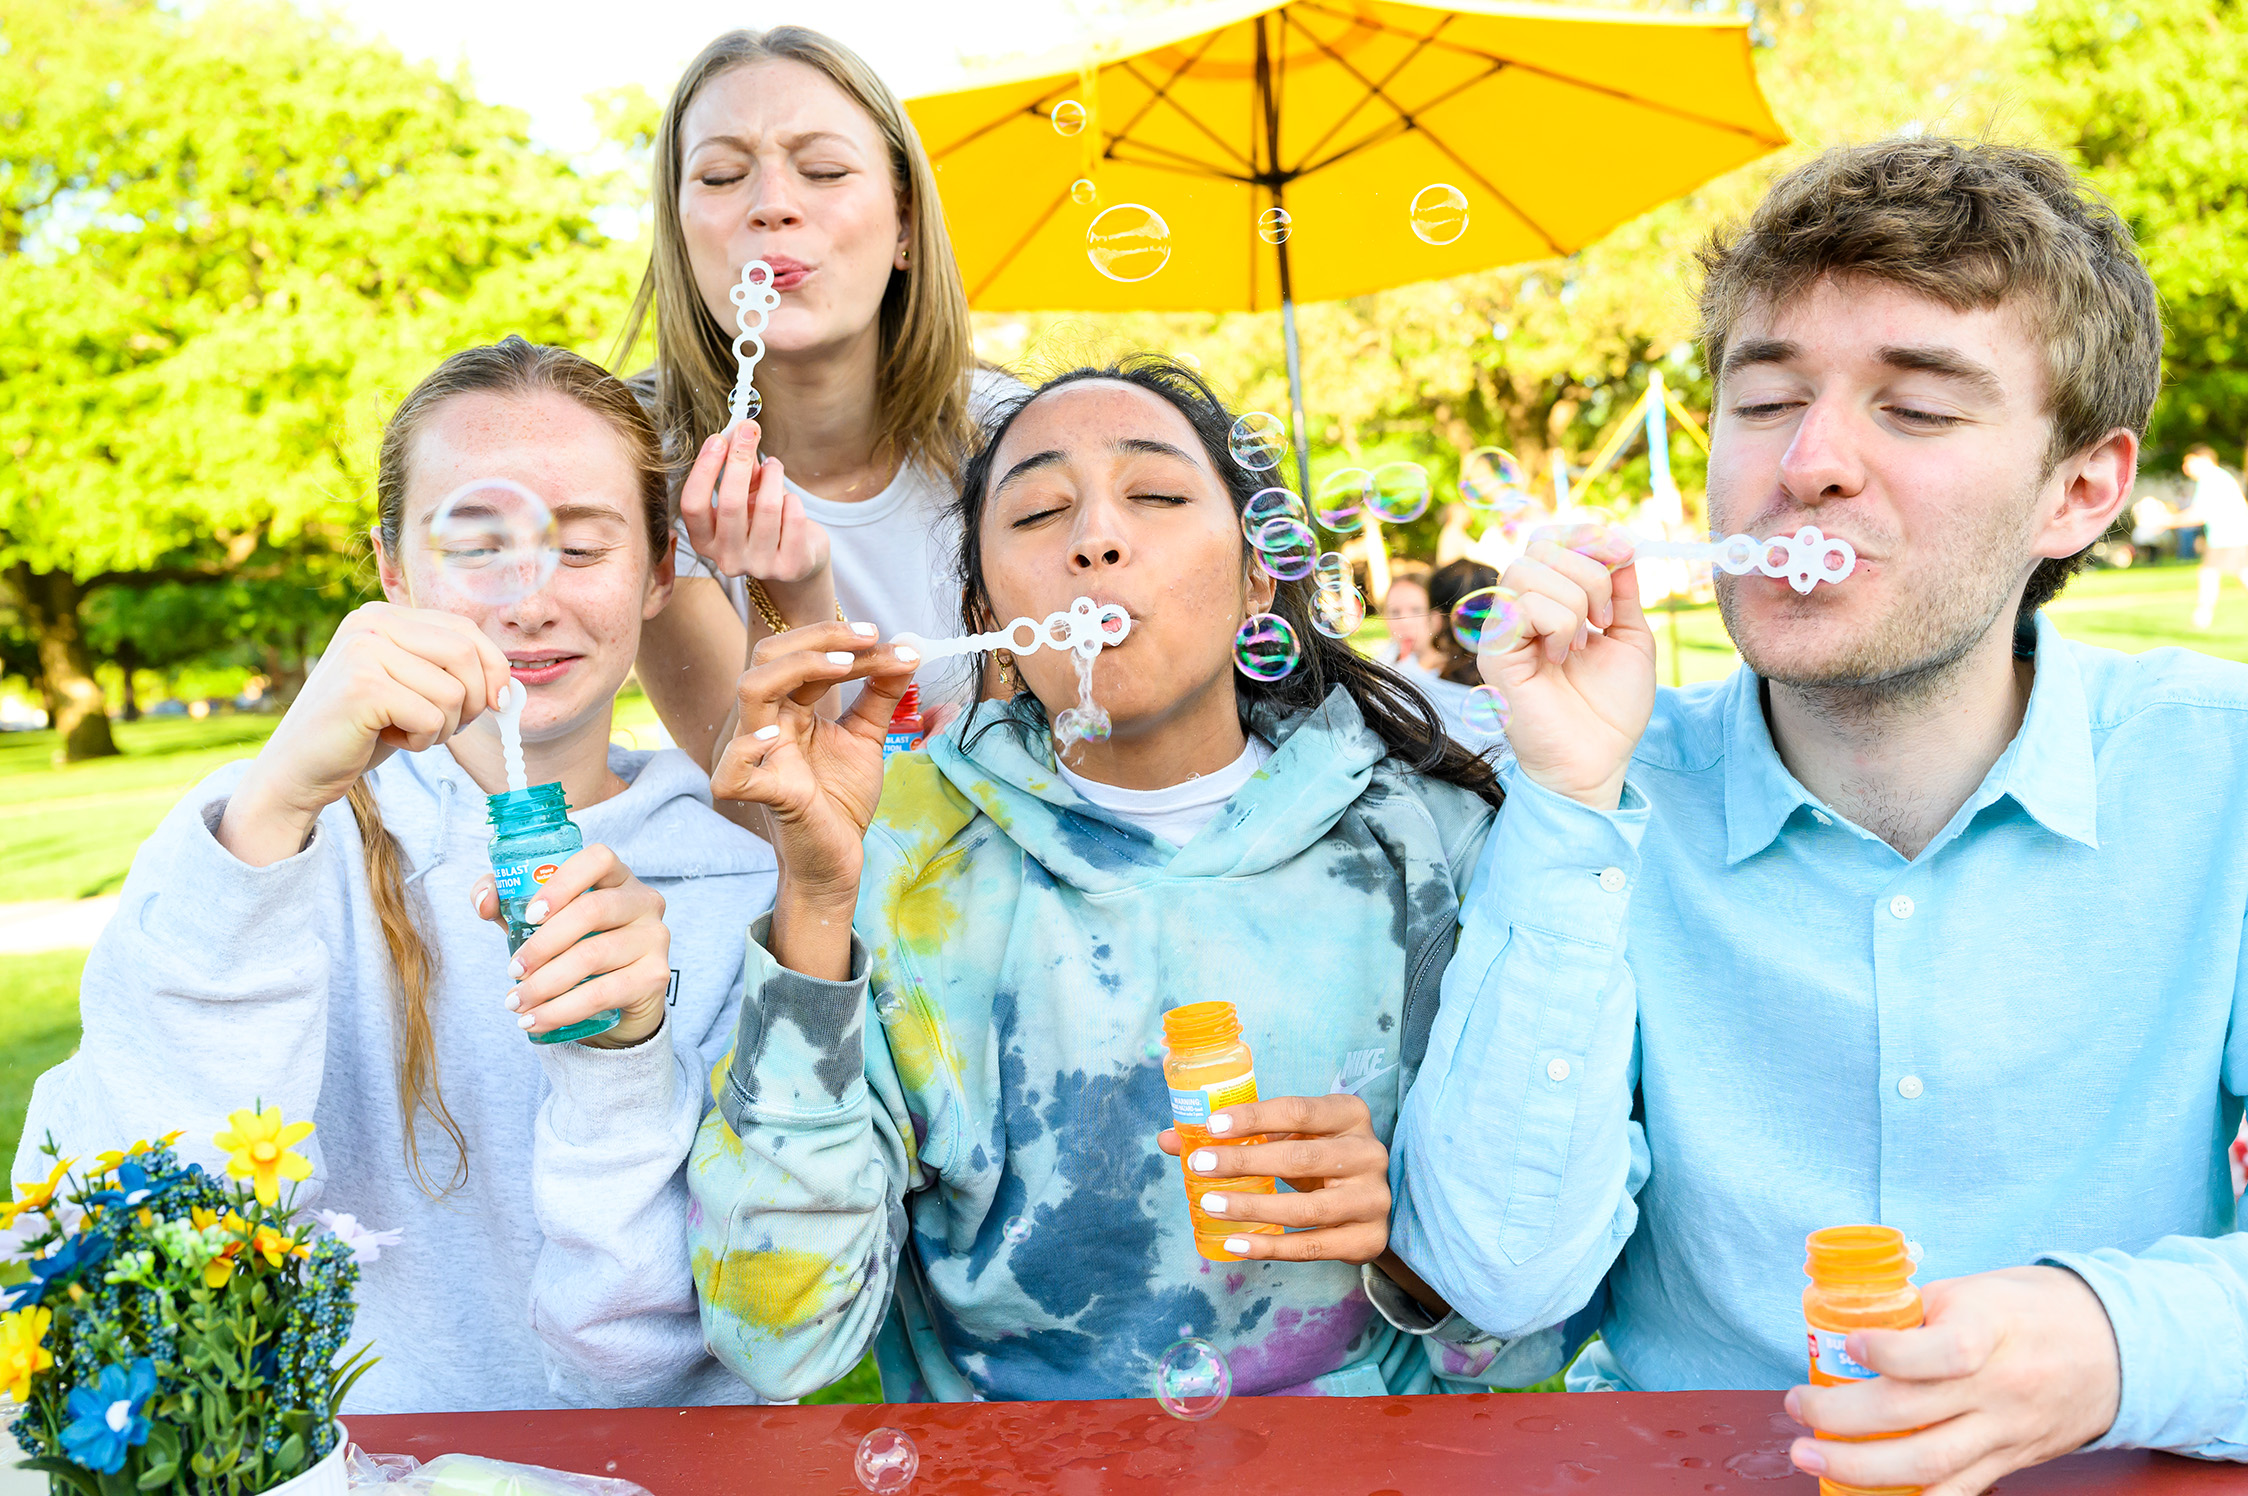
[(315, 929)]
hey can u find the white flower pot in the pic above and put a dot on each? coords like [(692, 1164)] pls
[(324, 1479)]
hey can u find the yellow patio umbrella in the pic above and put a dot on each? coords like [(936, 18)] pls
[(1528, 131)]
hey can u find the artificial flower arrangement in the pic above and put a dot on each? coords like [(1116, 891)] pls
[(179, 1332)]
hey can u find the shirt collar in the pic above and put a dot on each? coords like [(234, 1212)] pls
[(2047, 769)]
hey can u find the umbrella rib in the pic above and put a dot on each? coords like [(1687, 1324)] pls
[(1405, 121), (1420, 45), (1161, 94), (999, 268), (1504, 201), (1571, 79)]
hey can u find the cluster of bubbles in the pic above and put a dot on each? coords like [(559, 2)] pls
[(1487, 620), (492, 542), (1396, 493), (1192, 1381), (887, 1461)]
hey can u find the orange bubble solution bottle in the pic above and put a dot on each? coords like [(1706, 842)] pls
[(1207, 1068), (1861, 1279)]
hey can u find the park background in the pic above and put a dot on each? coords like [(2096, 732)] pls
[(233, 234)]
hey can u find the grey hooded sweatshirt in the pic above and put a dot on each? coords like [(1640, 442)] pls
[(557, 1274)]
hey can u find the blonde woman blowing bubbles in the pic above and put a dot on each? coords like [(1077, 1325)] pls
[(314, 929)]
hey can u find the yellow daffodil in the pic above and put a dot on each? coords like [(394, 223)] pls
[(257, 1145), (22, 1357), (271, 1245), (35, 1196), (115, 1156), (220, 1268)]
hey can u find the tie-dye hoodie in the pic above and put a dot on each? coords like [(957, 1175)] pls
[(953, 1155)]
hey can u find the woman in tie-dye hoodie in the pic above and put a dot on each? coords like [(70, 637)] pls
[(942, 1131)]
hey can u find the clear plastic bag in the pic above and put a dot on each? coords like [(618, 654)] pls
[(472, 1475)]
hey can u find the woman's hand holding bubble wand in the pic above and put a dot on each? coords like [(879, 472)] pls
[(736, 507)]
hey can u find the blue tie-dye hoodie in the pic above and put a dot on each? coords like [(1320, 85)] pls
[(953, 1155)]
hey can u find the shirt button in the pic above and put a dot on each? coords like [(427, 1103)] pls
[(1557, 1069), (1901, 906), (1909, 1088), (1613, 880)]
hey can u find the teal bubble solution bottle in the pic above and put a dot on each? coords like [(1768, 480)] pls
[(532, 836)]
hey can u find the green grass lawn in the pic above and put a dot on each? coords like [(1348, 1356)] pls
[(41, 1030)]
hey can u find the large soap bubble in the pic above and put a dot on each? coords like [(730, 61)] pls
[(1128, 242), (1491, 479), (1267, 505), (1484, 710), (492, 542), (1338, 612), (1340, 505), (1192, 1381), (1439, 213), (1287, 549), (1487, 618), (1258, 441), (887, 1461), (1265, 647), (1400, 492)]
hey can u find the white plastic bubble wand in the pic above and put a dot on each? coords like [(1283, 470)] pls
[(754, 297), (512, 698), (1804, 559), (1084, 626)]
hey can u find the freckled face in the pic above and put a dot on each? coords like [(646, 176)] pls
[(1103, 490), (573, 641)]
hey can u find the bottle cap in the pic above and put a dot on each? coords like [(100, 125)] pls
[(908, 713)]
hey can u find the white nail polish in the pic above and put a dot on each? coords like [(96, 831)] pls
[(1221, 1123), (840, 657), (1237, 1245), (1214, 1204), (526, 1020), (515, 971), (863, 630), (1204, 1161), (476, 896), (514, 1001), (766, 734), (908, 653), (536, 913)]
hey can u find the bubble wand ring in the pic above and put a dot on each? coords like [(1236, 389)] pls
[(753, 297), (1085, 627), (1803, 560)]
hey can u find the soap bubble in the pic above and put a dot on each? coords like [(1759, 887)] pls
[(889, 1007), (1334, 573), (1400, 492), (887, 1461), (1265, 648), (1259, 441), (1287, 548), (1068, 117), (1018, 1229), (1083, 193), (1484, 710), (1439, 213), (494, 542), (1341, 501), (1192, 1380), (1337, 614), (1128, 242), (1492, 479), (1487, 618), (1267, 505), (1273, 225)]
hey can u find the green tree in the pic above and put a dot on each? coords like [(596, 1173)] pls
[(2149, 98), (228, 242)]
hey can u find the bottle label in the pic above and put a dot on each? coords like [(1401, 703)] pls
[(1828, 1358), (1192, 1108), (514, 881)]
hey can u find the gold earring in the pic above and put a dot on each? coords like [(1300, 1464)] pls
[(1008, 681)]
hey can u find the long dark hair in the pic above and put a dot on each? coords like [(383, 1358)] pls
[(1446, 587), (1396, 713)]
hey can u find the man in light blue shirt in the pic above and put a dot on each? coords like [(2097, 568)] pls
[(1921, 930)]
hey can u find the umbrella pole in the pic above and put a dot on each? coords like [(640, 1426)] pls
[(1295, 374)]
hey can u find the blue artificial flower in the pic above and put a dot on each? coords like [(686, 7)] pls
[(133, 1188), (106, 1419), (84, 1250)]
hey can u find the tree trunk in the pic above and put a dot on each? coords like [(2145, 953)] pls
[(128, 657), (49, 603)]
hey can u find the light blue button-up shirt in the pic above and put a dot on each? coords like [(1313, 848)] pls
[(2028, 1044)]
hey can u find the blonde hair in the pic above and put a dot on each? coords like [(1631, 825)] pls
[(510, 367), (927, 348)]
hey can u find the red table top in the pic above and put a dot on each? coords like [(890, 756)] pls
[(1618, 1443)]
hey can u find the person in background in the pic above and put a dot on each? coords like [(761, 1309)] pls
[(1446, 667), (1405, 613), (2222, 512), (837, 498), (315, 929)]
